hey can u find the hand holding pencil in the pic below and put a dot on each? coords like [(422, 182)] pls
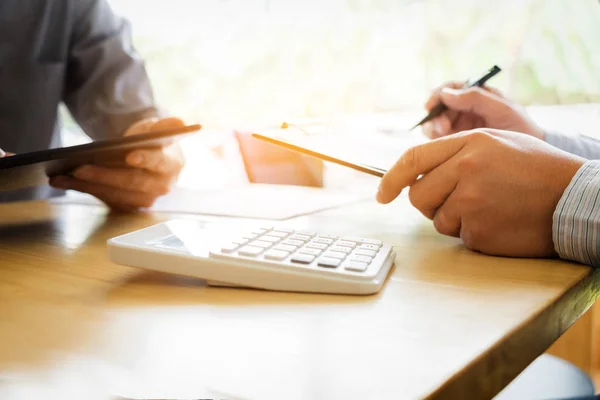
[(455, 107)]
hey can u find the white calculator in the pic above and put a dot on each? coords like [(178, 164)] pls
[(261, 257)]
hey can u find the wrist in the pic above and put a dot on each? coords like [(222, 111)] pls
[(538, 133), (564, 173), (575, 224), (557, 180)]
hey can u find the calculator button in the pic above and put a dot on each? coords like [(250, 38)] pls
[(263, 229), (279, 234), (352, 239), (365, 252), (250, 251), (240, 242), (285, 230), (335, 254), (302, 258), (269, 238), (293, 242), (278, 255), (260, 243), (345, 243), (250, 236), (285, 247), (366, 259), (373, 241), (328, 237), (322, 240), (369, 246), (298, 236), (329, 262), (311, 234), (357, 266), (314, 252), (319, 246), (343, 249), (230, 248)]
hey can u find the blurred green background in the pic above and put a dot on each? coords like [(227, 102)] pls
[(246, 64), (232, 63)]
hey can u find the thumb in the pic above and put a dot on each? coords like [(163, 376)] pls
[(139, 127), (154, 125), (167, 123), (2, 153), (475, 100)]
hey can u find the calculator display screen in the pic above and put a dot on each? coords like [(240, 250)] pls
[(171, 243), (193, 237)]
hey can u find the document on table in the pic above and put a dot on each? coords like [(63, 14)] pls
[(259, 201)]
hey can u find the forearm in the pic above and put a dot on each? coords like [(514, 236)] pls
[(576, 224), (580, 145), (107, 85)]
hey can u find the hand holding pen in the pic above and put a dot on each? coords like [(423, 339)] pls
[(440, 107), (456, 107)]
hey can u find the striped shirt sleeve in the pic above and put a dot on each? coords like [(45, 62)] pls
[(576, 221), (583, 146)]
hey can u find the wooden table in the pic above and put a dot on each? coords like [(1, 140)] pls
[(448, 324)]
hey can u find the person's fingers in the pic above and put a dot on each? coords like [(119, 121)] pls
[(416, 161), (132, 179), (160, 161), (427, 129), (443, 125), (165, 160), (494, 90), (447, 219), (457, 121), (432, 190), (475, 100), (143, 126), (434, 98), (466, 121), (438, 127), (167, 123), (125, 200), (154, 125)]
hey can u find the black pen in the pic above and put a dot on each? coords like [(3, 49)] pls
[(441, 107)]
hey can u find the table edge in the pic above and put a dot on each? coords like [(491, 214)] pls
[(493, 370)]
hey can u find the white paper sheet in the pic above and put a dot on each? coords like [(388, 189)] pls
[(260, 201)]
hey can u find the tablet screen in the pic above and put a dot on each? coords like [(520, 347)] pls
[(34, 168), (153, 139)]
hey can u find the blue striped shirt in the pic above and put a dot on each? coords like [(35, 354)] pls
[(576, 224)]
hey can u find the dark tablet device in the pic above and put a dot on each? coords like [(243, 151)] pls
[(34, 168), (305, 150)]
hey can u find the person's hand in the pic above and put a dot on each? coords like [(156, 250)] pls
[(474, 108), (147, 175), (496, 190)]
